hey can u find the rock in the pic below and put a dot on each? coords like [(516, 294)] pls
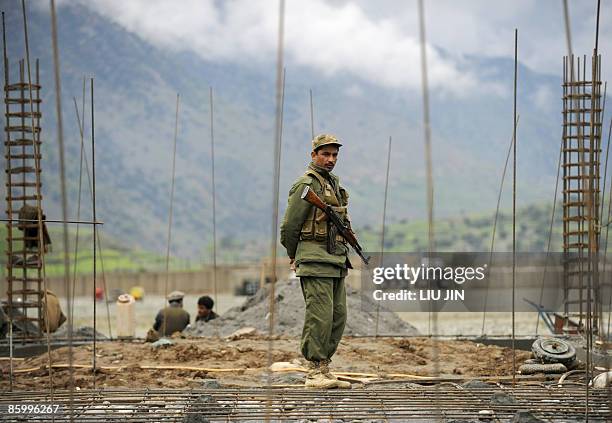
[(476, 384), (242, 333), (195, 418), (210, 384), (486, 415), (525, 417), (292, 378), (162, 343), (502, 398), (200, 409)]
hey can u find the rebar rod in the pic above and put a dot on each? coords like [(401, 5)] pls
[(214, 199), (170, 213), (312, 133), (550, 232), (36, 145), (382, 230), (514, 207), (276, 183), (9, 227), (545, 402), (76, 241), (68, 221), (433, 316), (60, 136), (95, 228), (499, 195)]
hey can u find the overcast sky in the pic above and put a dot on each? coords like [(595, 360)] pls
[(373, 40)]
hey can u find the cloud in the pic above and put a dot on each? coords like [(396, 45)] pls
[(375, 41), (325, 37), (544, 99), (485, 28)]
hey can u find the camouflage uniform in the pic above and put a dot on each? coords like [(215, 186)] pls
[(304, 233)]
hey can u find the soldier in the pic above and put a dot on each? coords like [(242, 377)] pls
[(172, 318), (320, 259)]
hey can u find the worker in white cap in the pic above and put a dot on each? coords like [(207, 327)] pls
[(172, 318)]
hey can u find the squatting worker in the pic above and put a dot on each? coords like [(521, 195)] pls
[(172, 318), (53, 316), (205, 309), (320, 259)]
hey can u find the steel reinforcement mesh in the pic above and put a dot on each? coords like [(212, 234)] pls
[(445, 402)]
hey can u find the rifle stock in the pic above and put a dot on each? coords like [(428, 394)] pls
[(310, 196)]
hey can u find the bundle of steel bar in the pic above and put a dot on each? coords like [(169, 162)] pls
[(411, 403)]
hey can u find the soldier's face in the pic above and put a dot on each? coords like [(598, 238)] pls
[(326, 157)]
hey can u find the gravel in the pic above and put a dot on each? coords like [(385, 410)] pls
[(289, 315)]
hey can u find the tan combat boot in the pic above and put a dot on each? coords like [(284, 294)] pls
[(324, 366), (316, 379)]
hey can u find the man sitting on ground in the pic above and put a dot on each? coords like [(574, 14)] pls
[(205, 312), (172, 318)]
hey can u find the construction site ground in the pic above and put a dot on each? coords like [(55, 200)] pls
[(243, 362)]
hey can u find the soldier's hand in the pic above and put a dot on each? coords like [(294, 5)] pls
[(292, 265)]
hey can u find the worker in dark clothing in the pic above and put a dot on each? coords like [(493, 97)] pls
[(172, 318), (205, 309), (4, 324)]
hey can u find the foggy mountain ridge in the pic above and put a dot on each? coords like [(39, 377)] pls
[(135, 91)]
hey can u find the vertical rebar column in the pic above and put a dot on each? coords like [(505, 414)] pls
[(581, 191), (25, 249)]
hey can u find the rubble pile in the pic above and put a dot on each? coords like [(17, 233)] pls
[(289, 315)]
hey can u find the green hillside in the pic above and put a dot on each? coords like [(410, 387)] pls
[(468, 232), (115, 257), (473, 232)]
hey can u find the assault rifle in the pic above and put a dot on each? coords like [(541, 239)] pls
[(348, 234)]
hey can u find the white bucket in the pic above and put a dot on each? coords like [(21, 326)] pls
[(126, 320)]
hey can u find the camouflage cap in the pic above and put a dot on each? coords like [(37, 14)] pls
[(176, 296), (324, 139)]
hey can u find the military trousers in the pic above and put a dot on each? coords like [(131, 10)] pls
[(325, 316)]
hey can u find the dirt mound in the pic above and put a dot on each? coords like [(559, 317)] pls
[(83, 332), (289, 315)]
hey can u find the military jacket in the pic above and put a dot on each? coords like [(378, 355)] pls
[(304, 227)]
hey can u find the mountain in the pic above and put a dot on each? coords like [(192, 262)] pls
[(135, 93)]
